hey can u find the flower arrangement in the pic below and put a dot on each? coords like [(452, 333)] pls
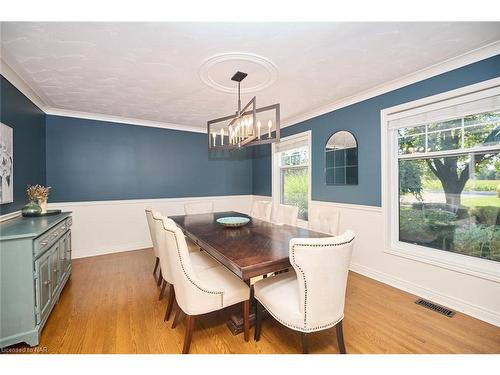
[(40, 194), (37, 192)]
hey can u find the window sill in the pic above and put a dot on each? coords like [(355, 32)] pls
[(482, 268)]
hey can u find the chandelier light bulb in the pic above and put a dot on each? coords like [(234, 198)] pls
[(243, 128)]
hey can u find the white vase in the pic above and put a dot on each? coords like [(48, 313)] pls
[(43, 205)]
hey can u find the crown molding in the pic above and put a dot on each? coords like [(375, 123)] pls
[(123, 120), (15, 79), (470, 57), (467, 58)]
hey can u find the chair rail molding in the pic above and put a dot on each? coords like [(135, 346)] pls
[(103, 227), (9, 216)]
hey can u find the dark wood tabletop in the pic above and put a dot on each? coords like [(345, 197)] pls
[(255, 249)]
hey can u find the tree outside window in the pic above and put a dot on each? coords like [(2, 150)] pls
[(449, 187)]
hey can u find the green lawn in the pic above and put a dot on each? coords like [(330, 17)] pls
[(471, 185), (489, 200)]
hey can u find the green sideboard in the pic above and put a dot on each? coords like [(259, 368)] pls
[(35, 263)]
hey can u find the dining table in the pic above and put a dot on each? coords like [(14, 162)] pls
[(255, 249)]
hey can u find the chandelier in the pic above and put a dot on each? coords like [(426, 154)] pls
[(249, 126)]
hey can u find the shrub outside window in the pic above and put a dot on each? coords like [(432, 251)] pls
[(294, 179), (449, 185)]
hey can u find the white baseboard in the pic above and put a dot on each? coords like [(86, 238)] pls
[(448, 301), (93, 252)]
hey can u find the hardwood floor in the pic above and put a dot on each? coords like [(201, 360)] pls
[(111, 305)]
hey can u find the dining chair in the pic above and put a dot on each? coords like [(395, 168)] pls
[(198, 291), (262, 210), (324, 220), (200, 260), (193, 208), (312, 298), (149, 217), (286, 214)]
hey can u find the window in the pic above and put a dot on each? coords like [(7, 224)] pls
[(291, 176), (444, 179)]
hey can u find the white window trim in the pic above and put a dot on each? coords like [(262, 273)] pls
[(483, 268), (276, 188)]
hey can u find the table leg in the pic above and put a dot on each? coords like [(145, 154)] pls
[(235, 322)]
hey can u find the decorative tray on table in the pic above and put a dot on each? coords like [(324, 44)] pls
[(233, 221)]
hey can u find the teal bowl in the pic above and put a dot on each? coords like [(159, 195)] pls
[(233, 221)]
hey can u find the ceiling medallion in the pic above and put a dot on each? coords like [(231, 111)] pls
[(249, 126), (266, 72)]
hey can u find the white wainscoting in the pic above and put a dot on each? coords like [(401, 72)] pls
[(471, 295), (105, 227), (114, 226)]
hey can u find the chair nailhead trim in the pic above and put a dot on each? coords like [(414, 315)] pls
[(184, 270), (304, 275), (296, 328)]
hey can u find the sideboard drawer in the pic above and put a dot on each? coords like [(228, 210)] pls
[(46, 240)]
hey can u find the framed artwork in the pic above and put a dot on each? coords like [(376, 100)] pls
[(6, 164)]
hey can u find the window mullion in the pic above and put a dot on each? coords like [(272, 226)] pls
[(454, 152), (426, 138), (463, 133)]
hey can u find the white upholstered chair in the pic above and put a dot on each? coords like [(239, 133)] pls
[(262, 210), (311, 298), (200, 291), (149, 217), (200, 260), (193, 208), (324, 220), (286, 214)]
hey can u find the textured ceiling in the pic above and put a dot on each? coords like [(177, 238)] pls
[(160, 71)]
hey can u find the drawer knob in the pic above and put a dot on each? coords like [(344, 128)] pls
[(43, 243), (46, 283), (54, 270), (55, 234)]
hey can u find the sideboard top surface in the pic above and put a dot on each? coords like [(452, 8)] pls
[(25, 227)]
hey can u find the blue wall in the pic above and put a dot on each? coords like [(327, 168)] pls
[(91, 160), (262, 171), (363, 120), (28, 124)]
